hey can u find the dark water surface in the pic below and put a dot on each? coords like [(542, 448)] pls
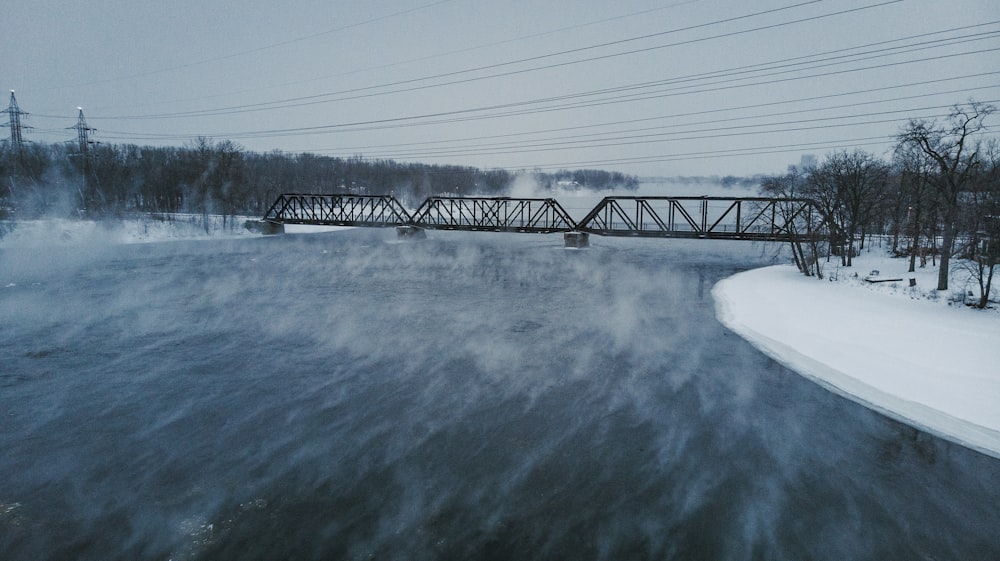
[(344, 396)]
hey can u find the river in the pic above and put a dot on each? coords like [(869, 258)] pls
[(468, 396)]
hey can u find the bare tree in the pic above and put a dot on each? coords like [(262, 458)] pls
[(850, 188), (913, 169), (981, 223), (801, 222), (954, 148)]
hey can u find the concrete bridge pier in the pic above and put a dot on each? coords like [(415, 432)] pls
[(265, 227), (272, 228), (578, 240), (410, 233)]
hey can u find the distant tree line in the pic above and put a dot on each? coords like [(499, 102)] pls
[(591, 179), (222, 178), (937, 197)]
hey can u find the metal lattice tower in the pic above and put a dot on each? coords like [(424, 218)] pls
[(83, 132), (90, 195), (14, 115)]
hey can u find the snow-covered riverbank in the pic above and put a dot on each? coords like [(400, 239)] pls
[(144, 229), (932, 363)]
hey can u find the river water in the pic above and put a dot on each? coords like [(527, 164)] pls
[(469, 396)]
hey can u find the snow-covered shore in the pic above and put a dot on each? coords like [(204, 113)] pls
[(144, 229), (930, 362)]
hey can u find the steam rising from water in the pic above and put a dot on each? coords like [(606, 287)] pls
[(470, 396)]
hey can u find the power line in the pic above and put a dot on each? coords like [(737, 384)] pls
[(563, 143), (440, 55), (708, 154), (263, 105), (696, 134), (748, 69), (469, 114), (260, 49), (684, 90), (718, 110), (765, 74)]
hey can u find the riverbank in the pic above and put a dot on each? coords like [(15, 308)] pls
[(911, 353), (140, 229)]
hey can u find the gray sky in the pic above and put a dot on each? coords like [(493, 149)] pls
[(692, 87)]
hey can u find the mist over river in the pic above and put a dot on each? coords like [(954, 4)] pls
[(468, 396)]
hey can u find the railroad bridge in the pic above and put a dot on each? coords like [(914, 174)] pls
[(723, 218)]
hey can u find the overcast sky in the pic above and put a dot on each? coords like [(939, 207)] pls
[(690, 87)]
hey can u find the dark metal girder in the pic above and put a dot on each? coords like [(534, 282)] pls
[(628, 216), (493, 214), (694, 218), (338, 210)]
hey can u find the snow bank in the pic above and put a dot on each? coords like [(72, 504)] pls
[(925, 363)]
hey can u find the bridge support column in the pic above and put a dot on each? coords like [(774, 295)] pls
[(577, 240), (410, 233), (264, 227)]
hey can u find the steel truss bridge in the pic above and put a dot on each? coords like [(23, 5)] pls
[(725, 218)]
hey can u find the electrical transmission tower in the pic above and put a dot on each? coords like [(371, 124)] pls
[(14, 115), (83, 133), (91, 197), (17, 128)]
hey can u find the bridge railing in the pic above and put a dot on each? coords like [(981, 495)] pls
[(338, 210), (493, 214)]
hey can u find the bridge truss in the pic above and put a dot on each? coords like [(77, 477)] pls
[(338, 210), (493, 214), (727, 218)]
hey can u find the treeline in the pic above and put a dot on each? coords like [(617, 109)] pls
[(937, 197), (223, 178), (592, 179)]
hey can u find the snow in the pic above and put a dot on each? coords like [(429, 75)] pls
[(173, 227), (909, 353), (72, 232), (312, 229)]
